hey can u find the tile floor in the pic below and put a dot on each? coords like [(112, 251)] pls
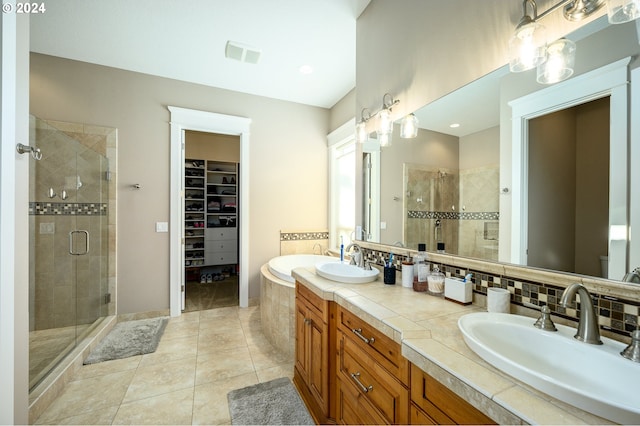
[(201, 356)]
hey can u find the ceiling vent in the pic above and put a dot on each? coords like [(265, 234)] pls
[(242, 52)]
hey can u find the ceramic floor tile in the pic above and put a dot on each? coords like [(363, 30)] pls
[(161, 378), (103, 416), (172, 350), (214, 366), (280, 370), (214, 340), (210, 404), (201, 357), (108, 367), (172, 408), (82, 396)]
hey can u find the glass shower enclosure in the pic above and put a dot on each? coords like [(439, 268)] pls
[(68, 244)]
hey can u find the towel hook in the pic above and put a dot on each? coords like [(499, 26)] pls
[(24, 149)]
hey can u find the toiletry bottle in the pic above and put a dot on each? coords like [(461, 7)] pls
[(420, 266), (419, 258), (341, 249)]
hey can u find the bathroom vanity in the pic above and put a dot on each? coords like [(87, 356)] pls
[(384, 354)]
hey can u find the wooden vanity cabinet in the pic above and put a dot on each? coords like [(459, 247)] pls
[(373, 376), (314, 368), (434, 403)]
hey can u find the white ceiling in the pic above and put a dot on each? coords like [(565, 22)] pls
[(185, 40)]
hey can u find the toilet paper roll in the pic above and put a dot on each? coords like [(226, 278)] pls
[(498, 300), (407, 275)]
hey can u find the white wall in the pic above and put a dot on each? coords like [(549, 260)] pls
[(14, 220), (288, 177)]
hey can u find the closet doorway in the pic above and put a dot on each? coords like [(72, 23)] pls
[(210, 226)]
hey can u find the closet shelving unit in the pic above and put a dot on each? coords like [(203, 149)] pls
[(210, 216), (194, 215)]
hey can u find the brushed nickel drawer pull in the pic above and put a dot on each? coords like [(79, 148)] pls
[(307, 321), (358, 332), (364, 388)]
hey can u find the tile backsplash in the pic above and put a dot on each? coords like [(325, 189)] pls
[(618, 314)]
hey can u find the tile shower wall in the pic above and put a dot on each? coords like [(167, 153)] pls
[(303, 242), (53, 303), (465, 202), (618, 315)]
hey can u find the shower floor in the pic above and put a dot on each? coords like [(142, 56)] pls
[(218, 294), (47, 347)]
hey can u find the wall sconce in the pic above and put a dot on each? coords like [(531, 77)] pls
[(528, 47), (384, 128), (621, 11), (409, 127), (361, 128), (558, 66)]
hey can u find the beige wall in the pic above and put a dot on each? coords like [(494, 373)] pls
[(343, 111), (212, 146), (288, 176), (420, 50)]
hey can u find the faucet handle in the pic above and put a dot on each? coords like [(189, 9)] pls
[(632, 351), (545, 322)]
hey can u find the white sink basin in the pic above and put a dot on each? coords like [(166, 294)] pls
[(594, 378), (345, 273)]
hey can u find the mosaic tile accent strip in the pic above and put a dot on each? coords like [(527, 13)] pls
[(296, 236), (617, 315), (421, 214), (67, 209)]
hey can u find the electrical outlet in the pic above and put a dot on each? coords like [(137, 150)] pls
[(47, 228)]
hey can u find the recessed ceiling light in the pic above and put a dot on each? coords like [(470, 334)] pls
[(454, 125), (305, 69)]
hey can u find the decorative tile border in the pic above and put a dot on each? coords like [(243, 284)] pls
[(421, 214), (297, 236), (67, 209), (617, 315)]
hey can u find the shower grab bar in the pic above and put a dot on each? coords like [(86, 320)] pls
[(24, 149), (86, 235)]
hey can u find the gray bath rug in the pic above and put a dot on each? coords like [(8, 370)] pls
[(129, 338), (276, 402)]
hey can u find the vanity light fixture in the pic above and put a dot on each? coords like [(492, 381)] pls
[(384, 128), (409, 126), (529, 49)]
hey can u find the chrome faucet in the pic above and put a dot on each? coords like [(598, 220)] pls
[(360, 258), (633, 276), (588, 328)]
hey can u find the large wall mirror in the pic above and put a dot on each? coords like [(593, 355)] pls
[(453, 187)]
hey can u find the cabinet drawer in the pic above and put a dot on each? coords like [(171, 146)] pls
[(220, 233), (380, 347), (315, 302), (374, 383), (353, 408), (220, 258), (221, 245), (440, 403)]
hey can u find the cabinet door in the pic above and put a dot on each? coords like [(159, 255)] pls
[(302, 345), (318, 352)]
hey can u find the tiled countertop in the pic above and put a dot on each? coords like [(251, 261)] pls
[(426, 328)]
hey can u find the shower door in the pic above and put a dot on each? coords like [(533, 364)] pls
[(68, 244)]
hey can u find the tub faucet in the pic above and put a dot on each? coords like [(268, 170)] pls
[(358, 254), (633, 276), (588, 328)]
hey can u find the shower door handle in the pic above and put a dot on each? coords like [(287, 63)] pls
[(86, 245)]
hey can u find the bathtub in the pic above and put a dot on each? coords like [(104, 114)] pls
[(278, 298), (281, 266)]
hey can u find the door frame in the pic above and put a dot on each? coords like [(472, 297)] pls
[(609, 80), (203, 121)]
